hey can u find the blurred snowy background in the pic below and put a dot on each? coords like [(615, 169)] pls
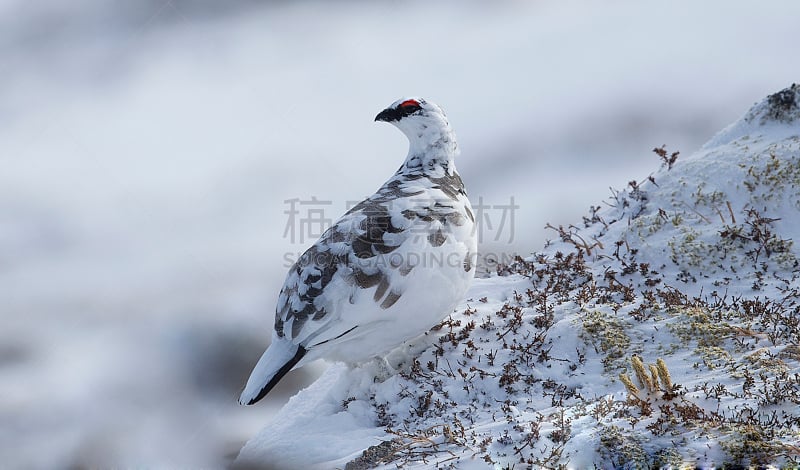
[(147, 150)]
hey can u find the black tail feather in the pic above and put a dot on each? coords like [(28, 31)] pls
[(301, 351)]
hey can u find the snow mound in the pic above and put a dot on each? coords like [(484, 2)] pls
[(661, 331), (779, 113)]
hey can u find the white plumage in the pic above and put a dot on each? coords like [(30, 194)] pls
[(388, 270)]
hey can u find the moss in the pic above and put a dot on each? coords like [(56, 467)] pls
[(696, 324), (709, 334), (621, 449), (714, 357), (609, 334), (791, 352), (625, 451), (768, 182), (761, 359), (375, 455), (748, 446), (647, 225), (708, 199), (668, 458), (687, 249)]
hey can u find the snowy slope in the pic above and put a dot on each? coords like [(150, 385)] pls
[(661, 331)]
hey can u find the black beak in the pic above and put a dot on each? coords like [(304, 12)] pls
[(389, 115)]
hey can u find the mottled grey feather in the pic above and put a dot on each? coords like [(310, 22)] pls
[(347, 247)]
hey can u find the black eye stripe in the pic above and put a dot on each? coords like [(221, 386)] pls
[(408, 109)]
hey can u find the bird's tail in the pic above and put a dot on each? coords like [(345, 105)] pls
[(277, 361)]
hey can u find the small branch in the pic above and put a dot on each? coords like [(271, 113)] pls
[(730, 210)]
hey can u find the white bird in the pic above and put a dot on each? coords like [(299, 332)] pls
[(387, 271)]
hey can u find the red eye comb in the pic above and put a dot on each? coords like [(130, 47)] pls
[(408, 103)]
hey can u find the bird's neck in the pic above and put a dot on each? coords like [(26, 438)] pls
[(431, 152)]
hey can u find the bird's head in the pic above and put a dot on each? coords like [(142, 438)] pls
[(413, 114), (423, 122)]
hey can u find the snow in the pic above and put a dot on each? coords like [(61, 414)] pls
[(334, 434), (663, 331)]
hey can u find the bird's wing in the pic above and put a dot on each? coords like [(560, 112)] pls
[(362, 250)]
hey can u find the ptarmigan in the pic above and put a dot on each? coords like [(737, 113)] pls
[(388, 270)]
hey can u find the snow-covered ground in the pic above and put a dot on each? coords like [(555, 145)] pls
[(660, 332), (147, 151)]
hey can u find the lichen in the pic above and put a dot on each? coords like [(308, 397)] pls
[(621, 449), (749, 446), (609, 334), (762, 359)]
